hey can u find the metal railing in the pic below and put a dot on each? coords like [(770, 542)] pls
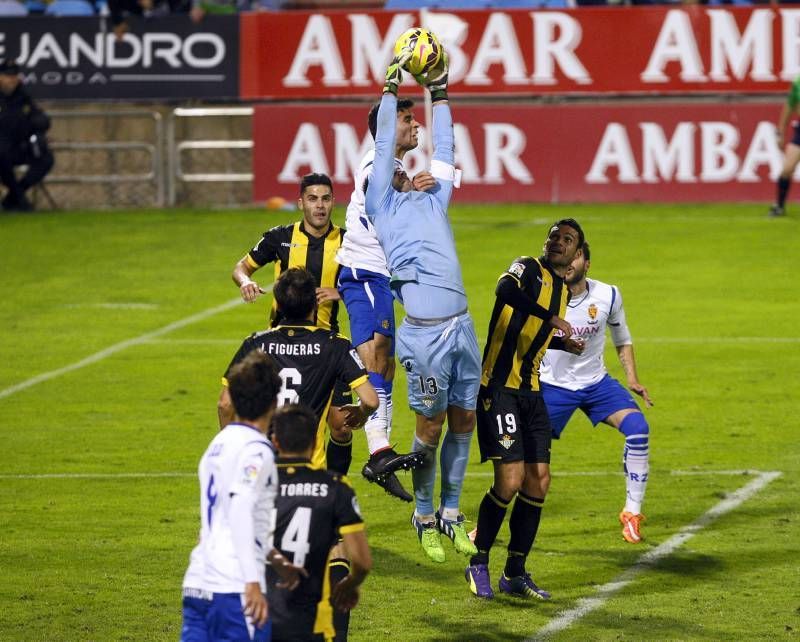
[(113, 149), (177, 149)]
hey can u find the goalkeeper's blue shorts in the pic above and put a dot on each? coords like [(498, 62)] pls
[(442, 363)]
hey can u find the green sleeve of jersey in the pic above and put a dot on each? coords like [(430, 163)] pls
[(794, 94)]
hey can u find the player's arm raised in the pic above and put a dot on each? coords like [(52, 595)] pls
[(443, 161), (380, 184)]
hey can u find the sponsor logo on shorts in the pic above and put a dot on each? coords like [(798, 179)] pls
[(356, 507), (487, 403), (427, 402), (506, 442), (385, 324)]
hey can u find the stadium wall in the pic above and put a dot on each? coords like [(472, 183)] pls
[(591, 104)]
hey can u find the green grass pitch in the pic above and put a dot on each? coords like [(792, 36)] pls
[(98, 509)]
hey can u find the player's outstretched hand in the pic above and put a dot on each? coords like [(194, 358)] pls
[(394, 73), (560, 324), (255, 604), (640, 390), (327, 294), (423, 181), (344, 595), (250, 291), (289, 573), (354, 415), (436, 78)]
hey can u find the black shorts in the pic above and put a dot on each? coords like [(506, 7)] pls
[(796, 134), (513, 427), (342, 395)]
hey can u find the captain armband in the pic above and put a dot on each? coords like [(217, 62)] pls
[(446, 172)]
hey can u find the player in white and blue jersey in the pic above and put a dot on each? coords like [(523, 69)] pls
[(364, 288), (570, 382), (436, 342), (225, 584)]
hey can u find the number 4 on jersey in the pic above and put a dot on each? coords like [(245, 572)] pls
[(295, 537)]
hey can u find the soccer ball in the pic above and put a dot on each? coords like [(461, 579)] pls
[(426, 47)]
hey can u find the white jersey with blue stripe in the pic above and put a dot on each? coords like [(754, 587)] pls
[(239, 462), (589, 314), (360, 246)]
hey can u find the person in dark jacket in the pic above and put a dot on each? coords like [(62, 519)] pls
[(22, 139)]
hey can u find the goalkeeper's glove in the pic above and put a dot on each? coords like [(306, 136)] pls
[(394, 74), (436, 79)]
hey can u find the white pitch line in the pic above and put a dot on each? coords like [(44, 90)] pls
[(586, 605), (119, 347)]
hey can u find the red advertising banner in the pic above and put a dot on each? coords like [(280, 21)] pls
[(536, 153), (631, 50)]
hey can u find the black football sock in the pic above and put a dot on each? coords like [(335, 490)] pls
[(339, 568), (339, 455), (523, 524), (491, 514), (783, 190)]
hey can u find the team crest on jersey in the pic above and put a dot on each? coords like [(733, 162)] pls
[(592, 312), (506, 442)]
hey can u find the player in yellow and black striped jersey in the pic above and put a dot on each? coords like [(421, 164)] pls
[(312, 244), (513, 425), (311, 360), (314, 509)]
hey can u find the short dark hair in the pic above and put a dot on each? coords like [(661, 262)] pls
[(295, 292), (253, 385), (372, 120), (9, 67), (586, 250), (294, 427), (571, 222), (314, 179)]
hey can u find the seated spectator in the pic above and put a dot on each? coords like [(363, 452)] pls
[(22, 139), (120, 10)]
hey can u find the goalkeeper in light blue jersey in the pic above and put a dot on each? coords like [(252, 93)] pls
[(436, 342)]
